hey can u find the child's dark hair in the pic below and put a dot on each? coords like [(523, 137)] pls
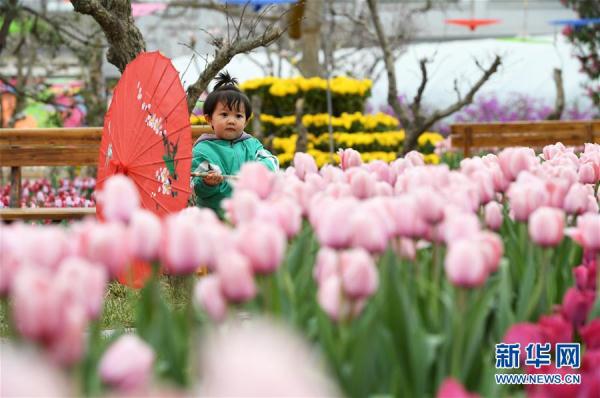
[(226, 91)]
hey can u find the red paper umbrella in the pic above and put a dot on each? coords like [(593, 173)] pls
[(147, 134), (472, 23)]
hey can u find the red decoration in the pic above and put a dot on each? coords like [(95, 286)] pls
[(472, 23)]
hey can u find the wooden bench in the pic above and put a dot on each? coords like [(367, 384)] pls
[(468, 136), (51, 147)]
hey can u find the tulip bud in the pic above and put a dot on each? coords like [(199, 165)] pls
[(127, 364), (546, 226)]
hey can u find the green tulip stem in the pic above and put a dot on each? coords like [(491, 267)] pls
[(437, 271), (539, 288), (458, 335)]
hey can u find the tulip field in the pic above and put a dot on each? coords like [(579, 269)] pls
[(360, 279)]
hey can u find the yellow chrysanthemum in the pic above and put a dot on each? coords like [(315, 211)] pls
[(432, 138)]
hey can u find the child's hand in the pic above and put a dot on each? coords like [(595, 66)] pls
[(213, 178)]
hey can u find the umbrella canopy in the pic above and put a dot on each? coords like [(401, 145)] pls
[(147, 134)]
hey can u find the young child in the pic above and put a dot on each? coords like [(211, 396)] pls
[(227, 110)]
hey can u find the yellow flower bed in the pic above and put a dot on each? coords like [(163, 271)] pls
[(195, 120), (432, 138), (319, 123), (351, 140), (281, 87), (278, 121), (372, 146)]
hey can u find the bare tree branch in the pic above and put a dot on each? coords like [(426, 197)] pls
[(59, 27), (559, 104), (416, 105), (414, 125), (124, 38), (222, 58), (423, 9), (389, 65), (213, 5), (468, 99)]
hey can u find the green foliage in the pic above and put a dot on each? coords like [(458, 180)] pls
[(586, 43)]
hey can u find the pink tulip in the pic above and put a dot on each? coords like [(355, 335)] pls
[(367, 232), (208, 295), (332, 174), (144, 235), (263, 244), (200, 215), (107, 244), (459, 225), (257, 178), (127, 364), (359, 274), (524, 333), (431, 204), (383, 189), (525, 198), (45, 246), (588, 231), (341, 190), (587, 174), (465, 264), (235, 273), (485, 185), (451, 388), (409, 222), (288, 215), (406, 248), (119, 198), (26, 373), (492, 248), (183, 250), (493, 215), (590, 334), (557, 189), (382, 170), (582, 277), (551, 151), (35, 304), (515, 160), (546, 226), (304, 164), (331, 299), (380, 208), (362, 184), (333, 216), (576, 305), (555, 329), (415, 158), (81, 282), (576, 201), (326, 265), (349, 158), (11, 247), (260, 359), (68, 345), (241, 207)]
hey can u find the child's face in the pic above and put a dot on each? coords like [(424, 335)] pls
[(228, 124)]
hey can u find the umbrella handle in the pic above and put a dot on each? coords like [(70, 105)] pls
[(204, 174)]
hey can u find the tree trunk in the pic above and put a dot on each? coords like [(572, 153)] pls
[(125, 41), (311, 39)]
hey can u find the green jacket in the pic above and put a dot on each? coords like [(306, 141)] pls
[(226, 157)]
